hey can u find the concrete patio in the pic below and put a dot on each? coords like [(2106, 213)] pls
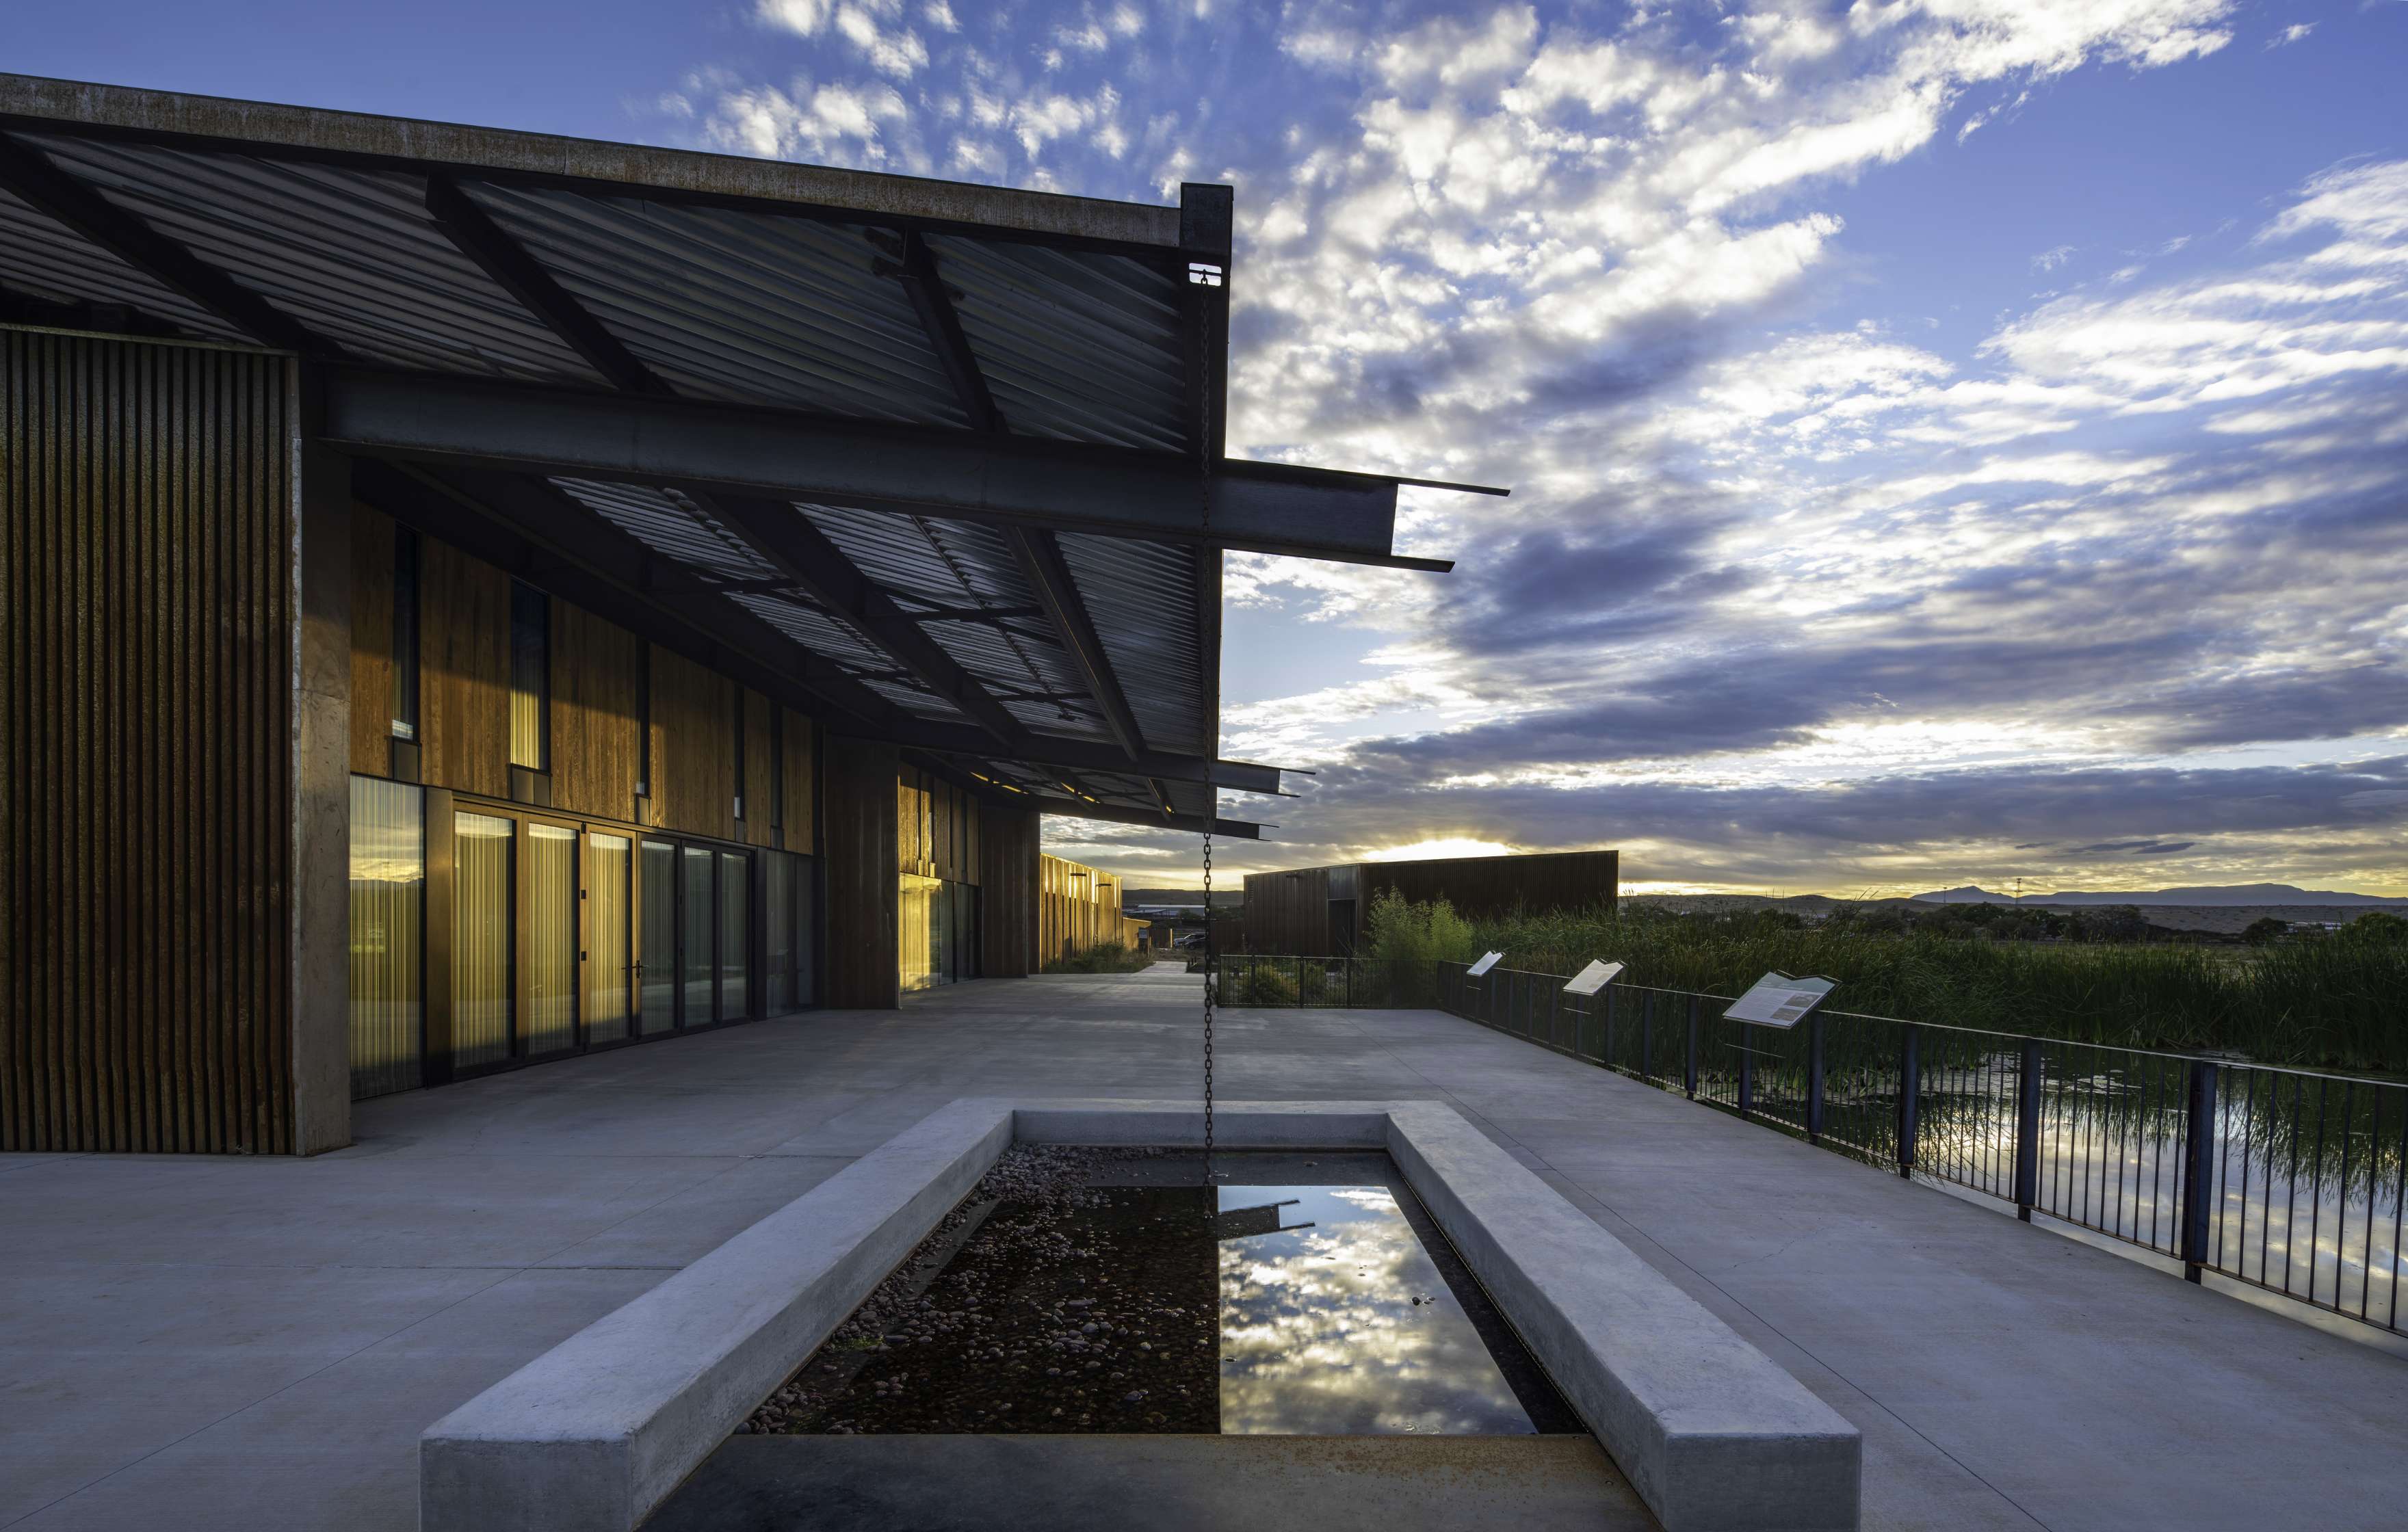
[(227, 1344)]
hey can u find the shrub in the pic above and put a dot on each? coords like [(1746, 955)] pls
[(1103, 957)]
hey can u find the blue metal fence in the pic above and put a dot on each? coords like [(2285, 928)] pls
[(2287, 1180)]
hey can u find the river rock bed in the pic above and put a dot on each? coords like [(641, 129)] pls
[(1043, 1303)]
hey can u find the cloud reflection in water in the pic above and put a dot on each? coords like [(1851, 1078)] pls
[(1320, 1334)]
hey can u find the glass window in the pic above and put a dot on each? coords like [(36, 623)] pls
[(404, 633), (480, 941), (530, 679), (550, 955), (659, 994), (735, 936), (609, 961), (805, 900), (915, 927), (700, 950), (387, 935)]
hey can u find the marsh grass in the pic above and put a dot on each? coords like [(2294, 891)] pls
[(1103, 957), (2337, 1000)]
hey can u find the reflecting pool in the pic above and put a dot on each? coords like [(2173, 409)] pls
[(1291, 1295)]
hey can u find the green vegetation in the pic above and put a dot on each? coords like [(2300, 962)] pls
[(1103, 957), (2317, 998)]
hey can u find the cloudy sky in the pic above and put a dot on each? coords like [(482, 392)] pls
[(1950, 439)]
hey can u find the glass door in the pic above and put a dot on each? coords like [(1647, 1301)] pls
[(548, 953), (658, 969), (698, 960), (735, 936), (481, 848), (609, 949)]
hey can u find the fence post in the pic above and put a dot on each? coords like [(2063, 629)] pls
[(1646, 1032), (2028, 1131), (1815, 1078), (1746, 1080), (1605, 1033), (1689, 1070), (1910, 1097), (2199, 1174)]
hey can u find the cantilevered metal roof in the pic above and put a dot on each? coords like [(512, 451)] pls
[(939, 464)]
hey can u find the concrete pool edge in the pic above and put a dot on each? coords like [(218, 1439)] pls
[(598, 1431)]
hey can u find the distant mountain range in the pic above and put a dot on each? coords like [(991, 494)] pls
[(2232, 893)]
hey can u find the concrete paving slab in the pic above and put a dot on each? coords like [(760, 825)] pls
[(1968, 1348)]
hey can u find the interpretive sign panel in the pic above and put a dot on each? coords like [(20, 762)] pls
[(1778, 1000), (1594, 977), (1480, 969)]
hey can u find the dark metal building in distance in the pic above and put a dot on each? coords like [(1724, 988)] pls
[(1320, 911)]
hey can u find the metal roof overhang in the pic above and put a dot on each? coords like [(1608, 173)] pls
[(938, 464)]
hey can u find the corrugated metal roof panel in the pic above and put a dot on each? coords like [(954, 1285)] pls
[(351, 254), (670, 526), (737, 305), (931, 561), (1075, 345), (45, 259), (1143, 597)]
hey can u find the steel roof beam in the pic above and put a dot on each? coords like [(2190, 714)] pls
[(37, 180), (583, 558), (473, 230), (1238, 829), (945, 336), (1039, 556), (1263, 507), (799, 551), (530, 530)]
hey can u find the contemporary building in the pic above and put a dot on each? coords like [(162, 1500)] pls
[(1080, 907), (1320, 911), (469, 599)]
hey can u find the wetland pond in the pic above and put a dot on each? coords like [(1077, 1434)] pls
[(1081, 1290)]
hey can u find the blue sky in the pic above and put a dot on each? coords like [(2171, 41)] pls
[(1952, 440)]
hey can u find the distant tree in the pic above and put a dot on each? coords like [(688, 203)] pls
[(2265, 929), (2375, 925)]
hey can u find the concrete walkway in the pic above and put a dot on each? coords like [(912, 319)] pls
[(255, 1344)]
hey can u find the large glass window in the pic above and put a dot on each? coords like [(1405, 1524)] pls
[(480, 939), (735, 935), (915, 930), (701, 954), (609, 958), (530, 679), (659, 993), (548, 956), (387, 935)]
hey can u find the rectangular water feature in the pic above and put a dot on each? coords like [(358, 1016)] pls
[(1301, 1294)]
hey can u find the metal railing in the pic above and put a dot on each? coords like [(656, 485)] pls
[(2302, 1177)]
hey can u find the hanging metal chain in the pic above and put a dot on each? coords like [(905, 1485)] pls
[(1211, 958)]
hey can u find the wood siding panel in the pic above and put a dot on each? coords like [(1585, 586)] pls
[(1078, 907), (761, 811), (802, 780), (596, 681), (694, 747), (464, 687), (1008, 845), (858, 779), (372, 657), (147, 628)]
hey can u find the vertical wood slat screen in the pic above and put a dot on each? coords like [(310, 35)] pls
[(147, 624)]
